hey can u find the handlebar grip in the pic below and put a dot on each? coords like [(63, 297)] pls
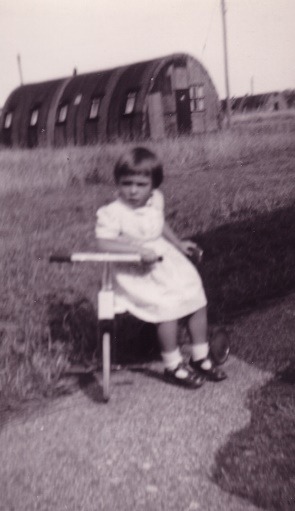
[(66, 258), (60, 258)]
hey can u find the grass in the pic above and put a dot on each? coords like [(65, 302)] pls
[(235, 197), (248, 262), (232, 191)]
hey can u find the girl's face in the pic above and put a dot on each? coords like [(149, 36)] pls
[(135, 189)]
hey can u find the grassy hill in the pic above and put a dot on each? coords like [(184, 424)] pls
[(232, 191)]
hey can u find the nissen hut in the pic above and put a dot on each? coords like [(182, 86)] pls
[(164, 97)]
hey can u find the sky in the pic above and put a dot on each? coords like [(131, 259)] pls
[(53, 37)]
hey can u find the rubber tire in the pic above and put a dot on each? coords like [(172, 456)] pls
[(220, 347), (106, 366)]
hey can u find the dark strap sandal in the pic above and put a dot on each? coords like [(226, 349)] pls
[(213, 374), (184, 377)]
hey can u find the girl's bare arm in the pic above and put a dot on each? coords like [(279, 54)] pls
[(187, 247), (170, 235), (126, 246)]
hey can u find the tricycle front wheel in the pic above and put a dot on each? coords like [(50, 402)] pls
[(106, 365)]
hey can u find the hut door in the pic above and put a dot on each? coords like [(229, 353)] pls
[(184, 123), (32, 136), (7, 139)]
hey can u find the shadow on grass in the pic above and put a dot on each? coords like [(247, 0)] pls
[(247, 267), (258, 462), (248, 263), (72, 320)]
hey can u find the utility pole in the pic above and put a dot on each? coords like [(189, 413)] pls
[(20, 69), (228, 107)]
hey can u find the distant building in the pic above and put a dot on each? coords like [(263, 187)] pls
[(289, 95), (154, 99), (269, 102)]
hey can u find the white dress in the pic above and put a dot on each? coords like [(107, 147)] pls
[(165, 291)]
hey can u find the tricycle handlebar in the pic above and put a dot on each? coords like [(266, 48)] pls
[(96, 257), (60, 258)]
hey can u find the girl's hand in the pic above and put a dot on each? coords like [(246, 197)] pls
[(148, 256), (189, 248)]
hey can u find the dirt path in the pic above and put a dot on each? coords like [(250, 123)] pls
[(150, 448)]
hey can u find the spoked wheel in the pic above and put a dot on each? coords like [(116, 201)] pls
[(220, 347), (106, 365)]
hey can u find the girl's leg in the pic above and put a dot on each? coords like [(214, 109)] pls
[(197, 325), (167, 335), (175, 371)]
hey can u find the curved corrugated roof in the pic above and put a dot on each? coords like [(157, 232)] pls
[(109, 88), (26, 98)]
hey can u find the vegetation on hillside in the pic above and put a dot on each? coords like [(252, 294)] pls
[(232, 191)]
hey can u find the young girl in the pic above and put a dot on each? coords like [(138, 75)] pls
[(166, 286)]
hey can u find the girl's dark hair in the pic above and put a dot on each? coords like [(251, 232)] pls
[(139, 160)]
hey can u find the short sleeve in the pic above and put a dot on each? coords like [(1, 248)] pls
[(107, 222), (158, 200)]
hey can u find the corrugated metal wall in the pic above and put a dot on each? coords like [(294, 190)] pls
[(96, 107)]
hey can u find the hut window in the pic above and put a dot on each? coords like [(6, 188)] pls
[(77, 100), (130, 103), (94, 108), (62, 113), (8, 120), (34, 117), (197, 98)]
